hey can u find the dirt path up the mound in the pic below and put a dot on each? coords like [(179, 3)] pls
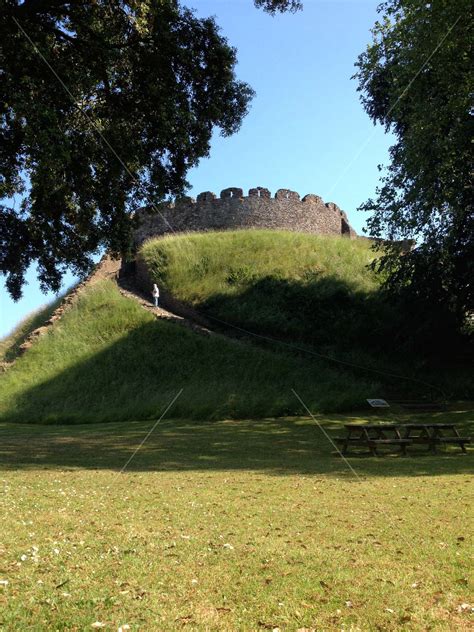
[(129, 290), (107, 268)]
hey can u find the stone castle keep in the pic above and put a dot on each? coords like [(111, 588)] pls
[(233, 210)]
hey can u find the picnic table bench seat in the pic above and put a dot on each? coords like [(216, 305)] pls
[(373, 443), (432, 435), (388, 441), (425, 425), (461, 441)]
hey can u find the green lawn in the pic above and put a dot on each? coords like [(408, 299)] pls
[(230, 525)]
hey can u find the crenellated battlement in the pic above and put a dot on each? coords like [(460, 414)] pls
[(232, 210)]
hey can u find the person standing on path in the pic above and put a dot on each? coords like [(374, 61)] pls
[(156, 294)]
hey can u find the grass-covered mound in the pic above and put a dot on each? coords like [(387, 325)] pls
[(108, 359), (291, 285), (312, 291)]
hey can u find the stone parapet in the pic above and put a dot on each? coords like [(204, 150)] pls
[(232, 210)]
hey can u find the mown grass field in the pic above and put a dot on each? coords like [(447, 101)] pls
[(107, 359), (231, 525)]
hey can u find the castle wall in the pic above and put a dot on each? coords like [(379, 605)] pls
[(233, 210)]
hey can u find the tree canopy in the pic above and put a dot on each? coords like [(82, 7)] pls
[(104, 106), (279, 6), (416, 79)]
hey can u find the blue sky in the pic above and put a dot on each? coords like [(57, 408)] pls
[(306, 129)]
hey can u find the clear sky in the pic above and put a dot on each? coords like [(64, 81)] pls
[(306, 129)]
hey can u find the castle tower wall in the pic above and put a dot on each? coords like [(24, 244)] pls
[(232, 210)]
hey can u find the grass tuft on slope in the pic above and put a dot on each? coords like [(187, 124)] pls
[(107, 359)]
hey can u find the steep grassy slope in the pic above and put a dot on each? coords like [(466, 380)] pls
[(108, 359), (199, 265), (9, 345), (300, 287), (311, 291)]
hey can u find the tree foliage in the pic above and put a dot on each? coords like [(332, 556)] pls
[(147, 83), (279, 6), (416, 79)]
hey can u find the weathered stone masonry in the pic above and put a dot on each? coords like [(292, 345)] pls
[(286, 211)]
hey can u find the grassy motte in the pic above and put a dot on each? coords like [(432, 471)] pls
[(315, 291), (231, 525), (107, 359), (292, 286)]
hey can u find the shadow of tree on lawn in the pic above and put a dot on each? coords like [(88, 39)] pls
[(273, 446)]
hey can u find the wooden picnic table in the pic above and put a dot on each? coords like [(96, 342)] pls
[(434, 434), (402, 435), (373, 435)]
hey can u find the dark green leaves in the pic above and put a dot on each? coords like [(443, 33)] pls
[(279, 6), (145, 85), (416, 79)]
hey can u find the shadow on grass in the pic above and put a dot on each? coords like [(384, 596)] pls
[(319, 310), (273, 446), (368, 328), (136, 376)]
